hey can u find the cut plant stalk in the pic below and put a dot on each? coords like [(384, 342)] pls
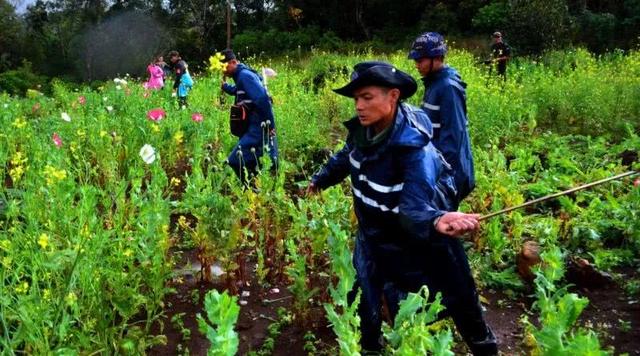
[(559, 194)]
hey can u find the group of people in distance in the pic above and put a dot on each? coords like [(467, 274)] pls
[(158, 70), (410, 168)]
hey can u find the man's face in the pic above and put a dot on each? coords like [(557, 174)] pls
[(231, 67), (374, 103), (424, 65), (497, 39)]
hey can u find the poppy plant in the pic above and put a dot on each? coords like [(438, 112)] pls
[(156, 114), (57, 140), (197, 117)]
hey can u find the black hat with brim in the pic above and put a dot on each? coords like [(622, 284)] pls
[(379, 74)]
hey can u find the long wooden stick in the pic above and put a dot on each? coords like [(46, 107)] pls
[(555, 195)]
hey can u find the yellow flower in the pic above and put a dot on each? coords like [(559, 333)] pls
[(22, 288), (71, 299), (20, 122), (53, 175), (46, 295), (175, 182), (81, 133), (73, 146), (103, 133), (215, 63), (178, 137), (155, 128), (182, 222), (5, 245), (6, 262), (43, 241), (127, 253)]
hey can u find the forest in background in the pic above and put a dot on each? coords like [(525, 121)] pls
[(86, 40)]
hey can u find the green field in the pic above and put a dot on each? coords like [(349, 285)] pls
[(94, 241)]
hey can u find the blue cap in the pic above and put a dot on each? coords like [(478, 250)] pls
[(429, 45), (379, 74)]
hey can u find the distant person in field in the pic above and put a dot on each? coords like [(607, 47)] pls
[(405, 199), (445, 102), (500, 53), (156, 74), (183, 82), (252, 103)]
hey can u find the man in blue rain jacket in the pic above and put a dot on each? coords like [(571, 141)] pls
[(403, 194), (260, 135), (445, 103)]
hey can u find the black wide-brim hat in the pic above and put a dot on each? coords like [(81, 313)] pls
[(379, 74)]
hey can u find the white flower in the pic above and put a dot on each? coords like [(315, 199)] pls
[(148, 154), (104, 98), (6, 106), (116, 80), (65, 117), (109, 108), (268, 72), (118, 87)]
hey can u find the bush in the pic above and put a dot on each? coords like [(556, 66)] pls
[(255, 42), (17, 81)]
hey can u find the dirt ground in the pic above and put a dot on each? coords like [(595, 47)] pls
[(614, 316)]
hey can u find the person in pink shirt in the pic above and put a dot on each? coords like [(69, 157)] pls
[(156, 74)]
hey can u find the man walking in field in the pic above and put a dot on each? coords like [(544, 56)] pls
[(403, 196), (256, 124), (445, 103), (500, 52)]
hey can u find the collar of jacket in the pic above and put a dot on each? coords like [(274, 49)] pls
[(445, 72), (407, 130), (239, 68)]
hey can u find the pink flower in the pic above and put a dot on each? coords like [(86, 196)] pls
[(636, 183), (82, 100), (57, 140), (197, 117), (156, 114)]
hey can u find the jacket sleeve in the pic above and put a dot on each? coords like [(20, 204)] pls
[(229, 88), (257, 94), (456, 147), (335, 171), (418, 208)]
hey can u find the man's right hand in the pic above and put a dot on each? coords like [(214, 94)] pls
[(311, 189), (457, 224)]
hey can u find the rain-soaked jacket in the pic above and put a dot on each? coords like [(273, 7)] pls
[(399, 188), (250, 92), (445, 103)]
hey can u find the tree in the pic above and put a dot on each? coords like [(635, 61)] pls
[(10, 36), (537, 25)]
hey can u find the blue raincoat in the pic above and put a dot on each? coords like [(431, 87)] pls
[(399, 189), (261, 134), (445, 103)]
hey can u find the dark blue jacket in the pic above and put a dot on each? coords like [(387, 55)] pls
[(399, 186), (445, 103), (250, 91)]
